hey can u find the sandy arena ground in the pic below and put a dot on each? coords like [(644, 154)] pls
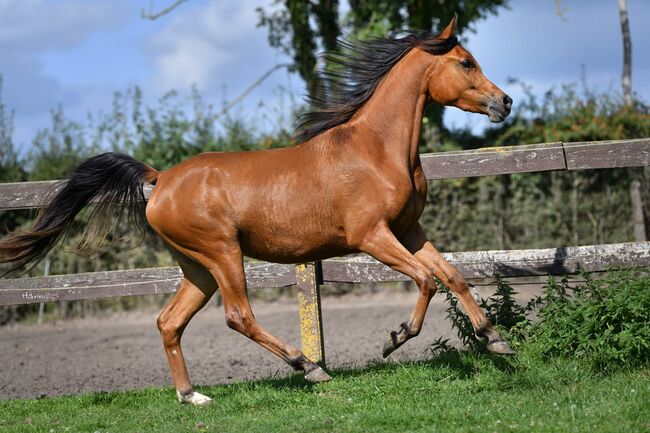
[(125, 352)]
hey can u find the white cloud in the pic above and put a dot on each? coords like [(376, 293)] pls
[(208, 46), (38, 25), (30, 28), (531, 42)]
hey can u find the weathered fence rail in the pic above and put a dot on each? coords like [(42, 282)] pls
[(444, 165), (474, 265), (362, 269)]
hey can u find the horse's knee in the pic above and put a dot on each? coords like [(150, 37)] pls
[(238, 320), (456, 282), (425, 282)]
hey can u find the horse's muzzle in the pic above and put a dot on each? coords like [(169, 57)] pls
[(499, 108)]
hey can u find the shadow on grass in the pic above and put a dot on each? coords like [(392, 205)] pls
[(465, 365)]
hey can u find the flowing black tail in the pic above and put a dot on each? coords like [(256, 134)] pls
[(108, 179)]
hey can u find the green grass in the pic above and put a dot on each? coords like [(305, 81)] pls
[(452, 393)]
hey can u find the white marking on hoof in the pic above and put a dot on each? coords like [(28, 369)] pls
[(195, 398)]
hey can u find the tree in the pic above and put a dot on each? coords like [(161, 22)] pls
[(626, 78), (290, 30), (301, 28), (151, 15), (10, 168)]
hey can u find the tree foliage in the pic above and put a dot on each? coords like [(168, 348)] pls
[(301, 28), (10, 170)]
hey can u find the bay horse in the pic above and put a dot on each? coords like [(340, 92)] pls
[(354, 184)]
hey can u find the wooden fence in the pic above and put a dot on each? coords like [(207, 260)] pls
[(477, 267)]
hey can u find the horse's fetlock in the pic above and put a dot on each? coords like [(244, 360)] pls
[(408, 330), (185, 391), (300, 362), (485, 330), (414, 331)]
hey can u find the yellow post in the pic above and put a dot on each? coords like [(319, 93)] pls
[(308, 277)]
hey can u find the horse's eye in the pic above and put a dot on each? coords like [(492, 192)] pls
[(466, 64)]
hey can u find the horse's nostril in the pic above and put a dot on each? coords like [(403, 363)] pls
[(507, 101)]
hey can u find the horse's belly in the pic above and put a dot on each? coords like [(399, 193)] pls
[(292, 246)]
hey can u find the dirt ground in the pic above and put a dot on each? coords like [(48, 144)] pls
[(125, 352)]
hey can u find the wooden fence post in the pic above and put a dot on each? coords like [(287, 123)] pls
[(309, 276), (637, 211)]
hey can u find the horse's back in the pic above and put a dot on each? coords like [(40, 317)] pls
[(275, 203)]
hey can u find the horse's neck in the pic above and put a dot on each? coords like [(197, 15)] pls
[(395, 109)]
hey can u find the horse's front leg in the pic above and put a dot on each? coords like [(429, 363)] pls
[(416, 242), (384, 246)]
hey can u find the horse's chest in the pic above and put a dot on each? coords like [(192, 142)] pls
[(409, 205)]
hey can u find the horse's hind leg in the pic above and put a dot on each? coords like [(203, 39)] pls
[(196, 289), (228, 270), (416, 241)]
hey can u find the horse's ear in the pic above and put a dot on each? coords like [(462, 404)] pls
[(450, 30)]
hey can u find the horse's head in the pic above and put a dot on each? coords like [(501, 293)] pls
[(456, 79)]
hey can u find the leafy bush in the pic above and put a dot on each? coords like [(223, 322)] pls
[(501, 308), (603, 321)]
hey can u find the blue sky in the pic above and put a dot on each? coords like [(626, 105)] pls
[(76, 53)]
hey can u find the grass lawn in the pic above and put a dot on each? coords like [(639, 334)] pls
[(452, 393)]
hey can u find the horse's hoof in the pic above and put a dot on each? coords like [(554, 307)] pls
[(195, 398), (317, 375), (389, 347), (500, 347), (397, 338)]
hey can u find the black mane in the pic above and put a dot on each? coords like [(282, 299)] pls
[(357, 73)]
